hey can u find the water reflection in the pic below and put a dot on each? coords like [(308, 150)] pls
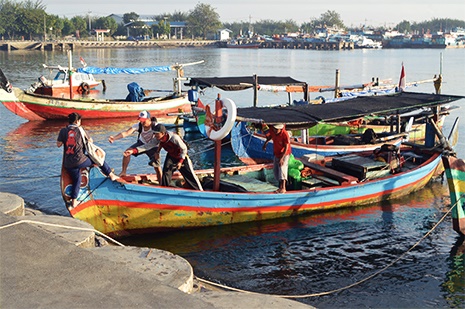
[(322, 252), (454, 286)]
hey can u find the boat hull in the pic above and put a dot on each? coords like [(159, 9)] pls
[(248, 147), (455, 172), (122, 209), (417, 132), (50, 108)]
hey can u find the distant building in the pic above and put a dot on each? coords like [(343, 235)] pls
[(175, 26), (224, 35)]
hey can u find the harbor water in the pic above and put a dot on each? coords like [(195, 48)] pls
[(365, 257)]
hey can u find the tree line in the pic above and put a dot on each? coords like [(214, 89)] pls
[(29, 20)]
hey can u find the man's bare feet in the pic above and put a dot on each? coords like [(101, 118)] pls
[(113, 177)]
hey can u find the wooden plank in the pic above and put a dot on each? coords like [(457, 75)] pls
[(339, 176)]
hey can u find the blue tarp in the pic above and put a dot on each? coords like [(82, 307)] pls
[(108, 70), (136, 93)]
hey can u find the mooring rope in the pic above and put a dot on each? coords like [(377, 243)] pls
[(63, 226), (251, 292), (24, 179), (350, 285)]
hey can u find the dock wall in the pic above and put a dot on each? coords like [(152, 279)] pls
[(73, 45)]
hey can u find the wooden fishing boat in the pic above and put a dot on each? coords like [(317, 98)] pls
[(377, 124), (34, 106), (247, 143), (455, 172), (290, 86), (140, 205), (275, 84), (58, 84), (48, 108), (247, 193)]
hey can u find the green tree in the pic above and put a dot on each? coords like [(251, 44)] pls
[(9, 18), (68, 27), (404, 27), (80, 26), (332, 19), (30, 22), (130, 17), (179, 16), (106, 23), (203, 20), (162, 28)]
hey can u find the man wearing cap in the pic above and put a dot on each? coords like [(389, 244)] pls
[(176, 157), (281, 151), (145, 128)]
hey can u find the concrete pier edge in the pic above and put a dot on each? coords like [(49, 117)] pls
[(45, 264)]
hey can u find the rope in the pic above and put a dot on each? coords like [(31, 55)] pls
[(24, 179), (92, 191), (207, 149), (256, 293), (350, 285), (63, 226)]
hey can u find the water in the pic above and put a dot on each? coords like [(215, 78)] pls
[(297, 256)]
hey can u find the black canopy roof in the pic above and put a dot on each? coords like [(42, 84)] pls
[(309, 114), (242, 82)]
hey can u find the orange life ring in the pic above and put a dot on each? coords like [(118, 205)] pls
[(84, 88)]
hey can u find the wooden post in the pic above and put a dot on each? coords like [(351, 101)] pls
[(70, 66), (336, 86), (217, 166), (217, 163), (255, 90)]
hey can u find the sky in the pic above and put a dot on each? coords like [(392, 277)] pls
[(352, 13)]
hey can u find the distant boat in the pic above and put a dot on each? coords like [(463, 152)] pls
[(365, 42), (243, 44)]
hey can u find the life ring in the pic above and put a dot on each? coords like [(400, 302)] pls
[(84, 88), (211, 128)]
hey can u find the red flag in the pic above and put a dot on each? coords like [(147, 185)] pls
[(402, 79), (83, 62)]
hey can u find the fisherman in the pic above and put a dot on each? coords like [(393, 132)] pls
[(145, 128), (281, 151), (176, 157)]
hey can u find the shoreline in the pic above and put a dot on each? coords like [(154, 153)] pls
[(67, 44)]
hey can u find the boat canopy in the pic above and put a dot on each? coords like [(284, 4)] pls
[(310, 114), (110, 70), (242, 82)]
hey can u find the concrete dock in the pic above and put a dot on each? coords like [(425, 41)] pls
[(59, 262)]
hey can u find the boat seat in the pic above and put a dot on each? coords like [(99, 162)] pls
[(330, 173)]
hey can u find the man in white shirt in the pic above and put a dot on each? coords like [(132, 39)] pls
[(145, 129)]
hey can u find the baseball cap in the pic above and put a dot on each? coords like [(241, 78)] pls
[(278, 126), (159, 128), (144, 116)]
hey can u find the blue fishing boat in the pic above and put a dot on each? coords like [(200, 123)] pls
[(247, 143)]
